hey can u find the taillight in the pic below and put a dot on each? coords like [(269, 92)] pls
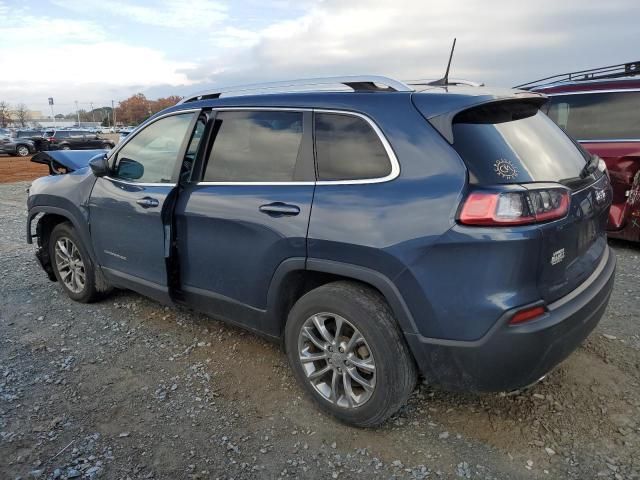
[(514, 208)]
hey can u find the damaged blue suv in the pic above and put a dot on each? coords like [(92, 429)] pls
[(377, 230)]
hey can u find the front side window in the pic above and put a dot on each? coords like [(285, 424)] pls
[(347, 148), (597, 116), (255, 146), (151, 155)]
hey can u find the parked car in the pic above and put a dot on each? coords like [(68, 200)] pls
[(124, 132), (452, 231), (600, 108), (75, 140), (19, 147), (36, 136)]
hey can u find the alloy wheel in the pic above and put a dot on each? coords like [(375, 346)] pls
[(337, 360), (70, 265), (22, 151)]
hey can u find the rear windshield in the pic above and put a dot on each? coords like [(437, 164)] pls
[(529, 148), (597, 116)]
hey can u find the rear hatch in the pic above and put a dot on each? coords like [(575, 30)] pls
[(537, 174)]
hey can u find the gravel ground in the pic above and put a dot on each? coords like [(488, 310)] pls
[(126, 388)]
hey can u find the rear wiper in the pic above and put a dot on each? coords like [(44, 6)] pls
[(590, 167)]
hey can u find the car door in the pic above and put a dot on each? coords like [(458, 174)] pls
[(247, 213), (130, 210)]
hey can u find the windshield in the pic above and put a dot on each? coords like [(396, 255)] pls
[(529, 149)]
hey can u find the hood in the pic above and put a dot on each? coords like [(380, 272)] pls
[(66, 161)]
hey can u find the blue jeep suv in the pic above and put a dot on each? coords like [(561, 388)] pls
[(378, 233)]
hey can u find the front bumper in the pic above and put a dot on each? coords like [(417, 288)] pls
[(510, 357)]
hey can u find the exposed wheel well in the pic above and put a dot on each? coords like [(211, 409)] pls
[(298, 283), (44, 227)]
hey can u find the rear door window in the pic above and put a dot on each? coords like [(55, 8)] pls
[(255, 146), (597, 116), (347, 148), (498, 149)]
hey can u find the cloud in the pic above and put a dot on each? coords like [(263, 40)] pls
[(195, 14), (411, 39), (111, 49)]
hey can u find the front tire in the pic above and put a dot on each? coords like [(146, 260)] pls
[(72, 265), (346, 350)]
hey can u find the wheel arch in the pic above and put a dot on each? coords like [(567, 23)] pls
[(295, 277), (49, 218)]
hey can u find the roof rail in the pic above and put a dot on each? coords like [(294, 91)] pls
[(359, 83), (613, 71), (450, 81)]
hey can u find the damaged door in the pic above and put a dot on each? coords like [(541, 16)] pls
[(130, 209)]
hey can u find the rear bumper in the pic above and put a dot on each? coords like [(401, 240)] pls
[(510, 357)]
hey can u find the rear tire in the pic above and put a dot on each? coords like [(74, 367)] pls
[(72, 265), (22, 151), (375, 374)]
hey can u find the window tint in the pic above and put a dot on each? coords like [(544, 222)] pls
[(347, 148), (63, 134), (151, 155), (531, 149), (255, 146), (597, 116)]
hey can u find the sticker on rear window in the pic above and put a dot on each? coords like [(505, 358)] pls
[(505, 169)]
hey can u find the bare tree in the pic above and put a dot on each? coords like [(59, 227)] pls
[(22, 114), (5, 117)]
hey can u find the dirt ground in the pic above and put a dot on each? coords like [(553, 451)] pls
[(127, 389), (20, 169)]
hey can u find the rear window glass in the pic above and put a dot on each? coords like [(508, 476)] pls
[(597, 116), (258, 146), (529, 149), (347, 148)]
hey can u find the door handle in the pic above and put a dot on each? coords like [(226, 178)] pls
[(148, 202), (279, 209)]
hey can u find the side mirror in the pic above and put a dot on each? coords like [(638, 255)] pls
[(99, 166)]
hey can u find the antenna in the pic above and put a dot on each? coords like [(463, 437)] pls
[(444, 81)]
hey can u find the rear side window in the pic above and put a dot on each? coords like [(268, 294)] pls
[(524, 147), (347, 148), (597, 116), (62, 134), (257, 146)]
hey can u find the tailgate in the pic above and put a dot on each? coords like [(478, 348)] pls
[(573, 246)]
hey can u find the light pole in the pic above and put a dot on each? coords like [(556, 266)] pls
[(113, 114), (53, 117), (93, 118), (78, 113)]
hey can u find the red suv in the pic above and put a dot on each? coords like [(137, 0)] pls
[(600, 108)]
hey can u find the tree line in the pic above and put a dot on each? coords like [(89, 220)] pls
[(132, 111), (8, 115)]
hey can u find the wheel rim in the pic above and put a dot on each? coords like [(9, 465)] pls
[(337, 360), (70, 265), (23, 151), (66, 147)]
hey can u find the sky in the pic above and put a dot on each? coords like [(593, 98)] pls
[(96, 51)]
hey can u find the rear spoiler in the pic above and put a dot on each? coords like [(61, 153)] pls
[(441, 115), (66, 161)]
